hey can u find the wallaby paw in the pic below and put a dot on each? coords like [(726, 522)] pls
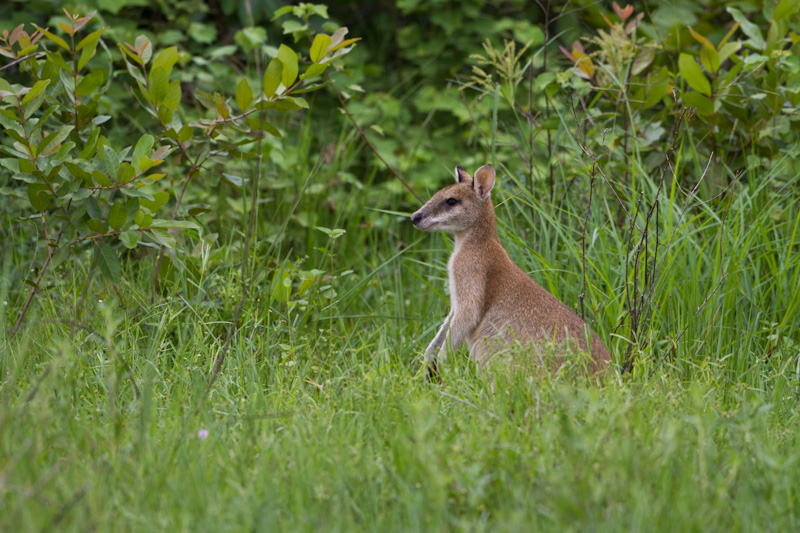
[(432, 372)]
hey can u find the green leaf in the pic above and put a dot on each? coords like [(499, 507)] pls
[(690, 71), (709, 57), (313, 70), (703, 105), (320, 46), (786, 8), (143, 147), (60, 256), (90, 82), (708, 54), (142, 219), (250, 38), (132, 206), (128, 54), (97, 225), (202, 33), (10, 120), (289, 59), (166, 59), (39, 195), (656, 93), (236, 181), (221, 107), (164, 114), (728, 49), (308, 280), (199, 210), (79, 173), (125, 172), (55, 38), (294, 27), (88, 44), (282, 11), (108, 262), (159, 199), (90, 39), (56, 59), (15, 193), (117, 215), (244, 95), (256, 124), (173, 99), (162, 237), (284, 104), (101, 178), (91, 145), (129, 239), (55, 138), (17, 136), (699, 38), (111, 160), (281, 286), (272, 77), (159, 86), (86, 55), (319, 9), (749, 28), (185, 134), (37, 88), (178, 224), (33, 106), (42, 120)]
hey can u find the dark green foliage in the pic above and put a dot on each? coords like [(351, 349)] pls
[(86, 189)]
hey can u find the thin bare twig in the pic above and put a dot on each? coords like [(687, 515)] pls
[(366, 139), (21, 59), (582, 295), (50, 253)]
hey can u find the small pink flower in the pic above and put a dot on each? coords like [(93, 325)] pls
[(202, 434)]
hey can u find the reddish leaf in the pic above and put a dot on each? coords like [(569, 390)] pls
[(567, 53), (15, 34), (628, 12)]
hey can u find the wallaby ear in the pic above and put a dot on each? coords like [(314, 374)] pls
[(484, 181), (461, 175)]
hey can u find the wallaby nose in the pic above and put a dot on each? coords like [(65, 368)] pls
[(416, 217)]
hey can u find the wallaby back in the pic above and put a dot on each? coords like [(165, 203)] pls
[(493, 302)]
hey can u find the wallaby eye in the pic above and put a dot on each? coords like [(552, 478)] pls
[(451, 201)]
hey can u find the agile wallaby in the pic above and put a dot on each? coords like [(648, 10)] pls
[(491, 298)]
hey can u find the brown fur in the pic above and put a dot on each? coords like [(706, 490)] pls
[(492, 299)]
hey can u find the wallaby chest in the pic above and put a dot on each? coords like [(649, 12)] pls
[(465, 279), (451, 275)]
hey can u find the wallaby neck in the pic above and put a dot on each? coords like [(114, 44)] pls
[(485, 228)]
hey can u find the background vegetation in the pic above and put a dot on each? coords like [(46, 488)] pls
[(213, 305)]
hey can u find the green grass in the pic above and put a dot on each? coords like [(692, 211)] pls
[(367, 446), (320, 421)]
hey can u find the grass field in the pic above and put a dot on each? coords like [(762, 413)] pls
[(320, 421)]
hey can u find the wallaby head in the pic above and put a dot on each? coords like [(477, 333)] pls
[(459, 206)]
